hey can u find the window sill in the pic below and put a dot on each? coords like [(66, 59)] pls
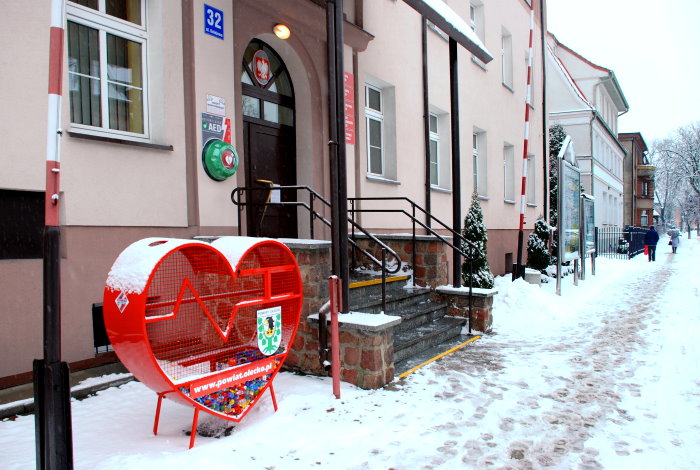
[(508, 201), (479, 63), (529, 204), (483, 198), (438, 189), (114, 140), (508, 87), (381, 179)]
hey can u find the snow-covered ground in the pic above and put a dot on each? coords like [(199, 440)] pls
[(605, 376)]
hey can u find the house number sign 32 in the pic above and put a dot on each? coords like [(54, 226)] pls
[(213, 21)]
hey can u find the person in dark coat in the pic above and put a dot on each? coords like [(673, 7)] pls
[(650, 240)]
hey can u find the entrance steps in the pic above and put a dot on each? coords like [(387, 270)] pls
[(424, 326)]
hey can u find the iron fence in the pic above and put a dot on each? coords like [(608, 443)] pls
[(617, 242)]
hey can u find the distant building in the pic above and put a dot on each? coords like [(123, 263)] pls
[(639, 181), (586, 100)]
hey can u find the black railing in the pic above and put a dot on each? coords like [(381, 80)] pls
[(466, 249), (617, 242), (311, 206)]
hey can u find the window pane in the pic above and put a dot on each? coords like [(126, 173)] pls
[(375, 160), (433, 123), (286, 116), (433, 162), (251, 107), (129, 10), (375, 133), (271, 111), (124, 68), (374, 99), (125, 108), (86, 3), (84, 75), (123, 61)]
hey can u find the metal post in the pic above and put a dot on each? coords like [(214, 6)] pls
[(335, 292), (456, 172), (519, 268), (339, 196), (53, 430)]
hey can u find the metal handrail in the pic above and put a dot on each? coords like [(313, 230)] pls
[(466, 248), (463, 241), (313, 195)]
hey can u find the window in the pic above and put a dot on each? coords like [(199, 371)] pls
[(507, 59), (644, 221), (434, 150), (479, 161), (22, 230), (476, 21), (645, 188), (508, 172), (107, 44), (530, 179), (375, 136)]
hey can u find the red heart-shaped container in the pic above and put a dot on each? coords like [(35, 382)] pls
[(208, 325)]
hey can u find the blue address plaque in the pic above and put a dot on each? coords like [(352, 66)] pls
[(213, 21)]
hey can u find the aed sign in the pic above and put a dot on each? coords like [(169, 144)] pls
[(213, 21)]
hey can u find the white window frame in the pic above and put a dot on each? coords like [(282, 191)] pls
[(530, 186), (434, 159), (507, 59), (372, 114), (479, 162), (508, 173), (476, 22), (106, 24)]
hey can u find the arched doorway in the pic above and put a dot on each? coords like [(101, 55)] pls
[(269, 142)]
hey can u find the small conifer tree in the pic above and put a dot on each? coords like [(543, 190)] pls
[(538, 256), (475, 232), (556, 139)]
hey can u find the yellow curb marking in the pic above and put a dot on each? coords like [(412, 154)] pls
[(376, 281), (409, 372)]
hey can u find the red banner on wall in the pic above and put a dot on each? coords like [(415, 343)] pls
[(349, 92)]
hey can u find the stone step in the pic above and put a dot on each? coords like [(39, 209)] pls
[(419, 314), (417, 359), (410, 342)]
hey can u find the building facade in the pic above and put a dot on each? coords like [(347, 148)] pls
[(639, 181), (587, 100), (147, 85)]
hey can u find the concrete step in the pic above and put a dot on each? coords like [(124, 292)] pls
[(413, 341)]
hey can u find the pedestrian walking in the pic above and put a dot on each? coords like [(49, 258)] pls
[(650, 240), (675, 240)]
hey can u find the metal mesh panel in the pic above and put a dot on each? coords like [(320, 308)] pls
[(200, 319)]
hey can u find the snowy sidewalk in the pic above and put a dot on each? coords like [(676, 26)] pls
[(605, 376)]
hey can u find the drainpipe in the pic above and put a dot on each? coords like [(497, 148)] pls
[(545, 115), (456, 174), (426, 117)]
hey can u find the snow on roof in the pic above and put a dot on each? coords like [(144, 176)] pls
[(133, 267), (564, 72), (451, 23)]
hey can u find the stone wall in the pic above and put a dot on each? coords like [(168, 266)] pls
[(431, 262), (458, 305)]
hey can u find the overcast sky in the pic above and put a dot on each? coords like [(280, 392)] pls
[(653, 47)]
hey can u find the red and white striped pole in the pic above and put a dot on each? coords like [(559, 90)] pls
[(54, 441), (517, 272), (53, 128)]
